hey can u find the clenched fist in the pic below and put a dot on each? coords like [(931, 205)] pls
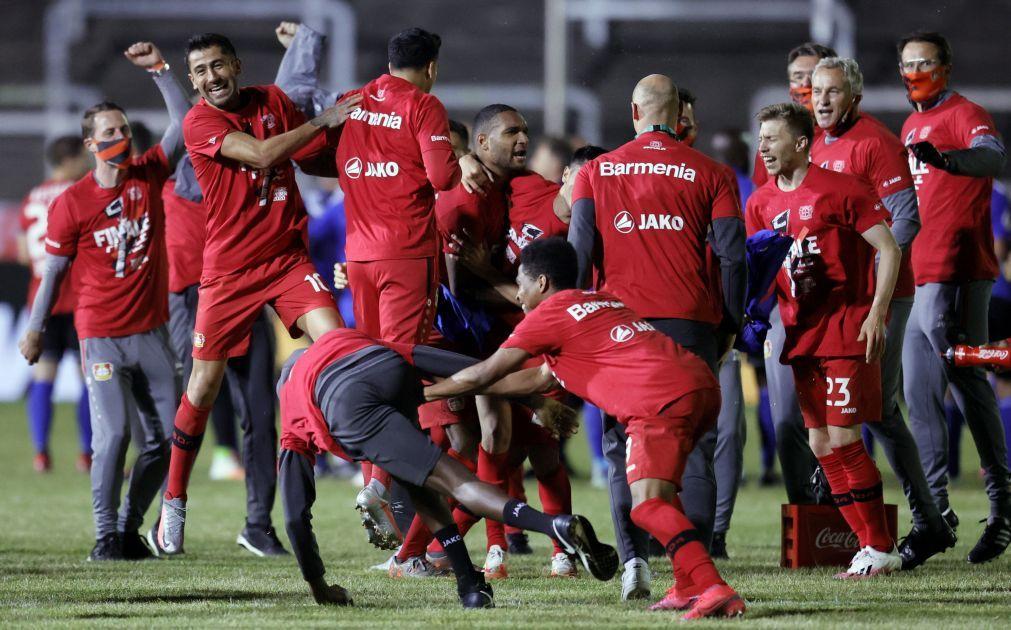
[(144, 55)]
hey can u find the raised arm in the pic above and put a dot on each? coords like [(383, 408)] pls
[(31, 343), (146, 55), (298, 74)]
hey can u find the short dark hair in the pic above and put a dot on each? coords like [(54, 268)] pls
[(552, 257), (810, 49), (62, 149), (686, 96), (203, 41), (797, 118), (930, 37), (88, 119), (558, 147), (142, 138), (460, 129), (487, 114), (413, 48), (584, 154)]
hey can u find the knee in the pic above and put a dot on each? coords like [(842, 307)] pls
[(205, 381)]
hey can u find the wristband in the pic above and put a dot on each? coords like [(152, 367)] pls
[(159, 68)]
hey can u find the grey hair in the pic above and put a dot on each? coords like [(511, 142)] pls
[(850, 69)]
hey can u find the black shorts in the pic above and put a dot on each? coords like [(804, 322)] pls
[(59, 337), (370, 400)]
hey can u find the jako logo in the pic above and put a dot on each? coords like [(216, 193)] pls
[(353, 168), (623, 222), (382, 169), (621, 333)]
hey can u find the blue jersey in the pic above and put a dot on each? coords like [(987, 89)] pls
[(326, 240)]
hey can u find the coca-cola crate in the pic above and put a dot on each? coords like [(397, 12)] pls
[(818, 536)]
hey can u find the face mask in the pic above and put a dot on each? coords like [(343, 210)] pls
[(115, 152), (802, 96), (845, 121), (924, 86)]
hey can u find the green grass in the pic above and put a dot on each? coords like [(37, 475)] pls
[(46, 532)]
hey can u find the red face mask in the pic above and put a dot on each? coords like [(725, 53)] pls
[(802, 97), (115, 152), (924, 86)]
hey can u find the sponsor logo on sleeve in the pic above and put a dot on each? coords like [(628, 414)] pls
[(50, 242), (924, 132), (213, 140), (101, 371), (838, 166), (979, 128), (440, 138), (892, 181), (199, 340)]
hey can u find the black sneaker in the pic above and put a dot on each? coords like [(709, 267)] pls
[(950, 518), (718, 548), (108, 547), (134, 546), (261, 541), (993, 542), (921, 544), (577, 537), (479, 595), (519, 544)]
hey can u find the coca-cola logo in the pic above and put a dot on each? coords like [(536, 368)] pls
[(829, 538), (988, 354)]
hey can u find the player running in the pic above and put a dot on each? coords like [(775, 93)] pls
[(954, 154), (111, 225), (242, 142), (68, 158), (357, 397), (834, 314)]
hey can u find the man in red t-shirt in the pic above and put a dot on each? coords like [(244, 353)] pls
[(644, 212), (834, 314), (600, 350), (69, 161), (954, 154), (242, 143), (111, 224), (855, 143)]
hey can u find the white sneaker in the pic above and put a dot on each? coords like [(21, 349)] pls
[(385, 565), (495, 564), (636, 580), (563, 566), (871, 562), (225, 466), (377, 518), (416, 567)]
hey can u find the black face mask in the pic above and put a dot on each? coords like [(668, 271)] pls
[(115, 152)]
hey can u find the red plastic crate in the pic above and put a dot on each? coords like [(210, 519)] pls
[(818, 536)]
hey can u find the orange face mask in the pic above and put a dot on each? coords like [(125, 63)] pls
[(115, 152), (802, 97), (924, 86)]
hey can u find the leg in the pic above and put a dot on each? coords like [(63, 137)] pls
[(729, 455), (495, 416), (39, 409)]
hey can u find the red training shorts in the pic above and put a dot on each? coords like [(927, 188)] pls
[(837, 392), (229, 304), (394, 300), (658, 446)]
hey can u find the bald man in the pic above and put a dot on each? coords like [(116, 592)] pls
[(653, 203)]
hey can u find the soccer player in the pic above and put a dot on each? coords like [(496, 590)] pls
[(652, 204), (393, 155), (357, 397), (242, 142), (954, 154), (666, 396), (110, 224), (853, 142), (69, 161), (834, 314), (459, 137)]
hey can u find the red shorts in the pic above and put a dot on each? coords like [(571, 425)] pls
[(394, 300), (229, 304), (837, 392), (442, 413), (658, 446)]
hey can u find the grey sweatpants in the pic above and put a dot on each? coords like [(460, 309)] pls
[(943, 314), (728, 461), (133, 382), (698, 484)]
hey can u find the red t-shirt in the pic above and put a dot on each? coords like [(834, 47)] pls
[(873, 153), (482, 217), (116, 237), (34, 211), (394, 153), (655, 200), (253, 215), (531, 215), (836, 209), (185, 230), (955, 242), (603, 352), (303, 427)]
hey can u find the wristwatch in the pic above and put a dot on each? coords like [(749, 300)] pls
[(159, 69)]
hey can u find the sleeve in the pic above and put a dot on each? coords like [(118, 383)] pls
[(863, 210), (887, 167), (537, 334), (728, 245), (24, 222), (905, 211), (298, 493), (973, 122), (62, 230), (432, 135), (204, 130), (56, 267), (752, 218), (177, 105), (583, 224), (156, 165), (440, 363), (726, 198), (298, 74), (451, 217)]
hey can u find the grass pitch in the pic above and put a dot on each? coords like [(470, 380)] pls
[(46, 532)]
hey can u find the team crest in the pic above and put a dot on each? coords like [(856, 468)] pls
[(199, 340), (655, 145), (134, 193), (838, 167), (924, 132), (806, 212), (380, 95), (455, 404), (101, 371), (268, 121)]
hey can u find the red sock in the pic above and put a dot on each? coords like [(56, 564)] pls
[(694, 570), (366, 473), (190, 423), (865, 486), (438, 436), (493, 468), (839, 484), (464, 521), (516, 491), (556, 495), (416, 540), (382, 477)]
